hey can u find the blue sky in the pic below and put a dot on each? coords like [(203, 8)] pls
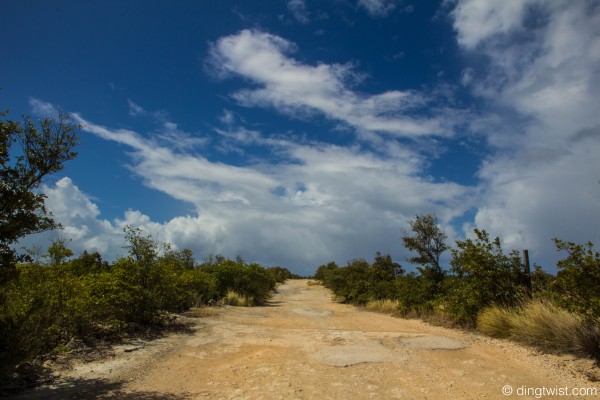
[(296, 132)]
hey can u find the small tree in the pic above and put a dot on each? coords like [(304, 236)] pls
[(58, 252), (40, 150), (428, 241), (381, 276), (577, 284)]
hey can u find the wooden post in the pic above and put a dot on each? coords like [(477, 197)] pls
[(527, 272)]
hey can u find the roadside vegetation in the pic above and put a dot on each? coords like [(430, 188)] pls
[(49, 300), (485, 288), (59, 299)]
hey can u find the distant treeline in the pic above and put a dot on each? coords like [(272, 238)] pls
[(484, 288), (56, 299)]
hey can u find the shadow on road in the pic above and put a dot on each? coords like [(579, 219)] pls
[(94, 389)]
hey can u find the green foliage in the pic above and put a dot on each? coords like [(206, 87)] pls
[(280, 274), (577, 284), (486, 287), (58, 252), (360, 282), (47, 305), (249, 280), (40, 151), (484, 275), (428, 240), (323, 272), (89, 263), (541, 282), (415, 293)]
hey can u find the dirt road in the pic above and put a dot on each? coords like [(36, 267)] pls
[(305, 346)]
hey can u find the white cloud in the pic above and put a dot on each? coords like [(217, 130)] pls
[(529, 201), (542, 73), (41, 108), (80, 219), (378, 8), (301, 90), (135, 109), (299, 11), (325, 203), (227, 118), (477, 21)]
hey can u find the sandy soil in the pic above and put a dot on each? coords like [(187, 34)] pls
[(305, 346)]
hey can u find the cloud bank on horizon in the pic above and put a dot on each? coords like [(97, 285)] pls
[(533, 68)]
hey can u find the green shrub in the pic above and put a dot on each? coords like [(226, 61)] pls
[(44, 306), (577, 284), (280, 274), (248, 280), (414, 294), (323, 272), (483, 275)]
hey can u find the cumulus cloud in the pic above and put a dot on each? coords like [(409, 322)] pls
[(80, 219), (543, 63), (295, 88), (322, 202), (477, 21)]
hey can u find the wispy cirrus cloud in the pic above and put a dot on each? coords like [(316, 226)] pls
[(135, 109), (294, 88)]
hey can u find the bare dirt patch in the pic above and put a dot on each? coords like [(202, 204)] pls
[(302, 345)]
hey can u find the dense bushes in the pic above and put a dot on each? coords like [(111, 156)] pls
[(577, 284), (484, 287), (50, 303), (251, 281), (482, 275)]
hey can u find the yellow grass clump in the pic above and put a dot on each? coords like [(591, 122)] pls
[(385, 306), (237, 300), (495, 321), (543, 325)]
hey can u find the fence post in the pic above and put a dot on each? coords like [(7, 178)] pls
[(527, 272)]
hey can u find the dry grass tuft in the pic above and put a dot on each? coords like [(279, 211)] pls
[(543, 325), (386, 306), (546, 326), (237, 300), (495, 321)]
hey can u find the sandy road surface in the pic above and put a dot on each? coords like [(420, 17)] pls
[(305, 346)]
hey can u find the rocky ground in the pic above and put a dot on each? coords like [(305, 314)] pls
[(302, 345)]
